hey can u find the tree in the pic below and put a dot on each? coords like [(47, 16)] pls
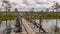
[(16, 10), (47, 10), (56, 6), (8, 5)]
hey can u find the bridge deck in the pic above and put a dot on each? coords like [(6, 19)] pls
[(27, 27)]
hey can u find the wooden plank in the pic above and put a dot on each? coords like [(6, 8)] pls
[(27, 27)]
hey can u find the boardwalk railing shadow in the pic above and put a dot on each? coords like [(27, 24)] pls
[(36, 24)]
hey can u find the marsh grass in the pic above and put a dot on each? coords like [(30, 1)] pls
[(30, 15)]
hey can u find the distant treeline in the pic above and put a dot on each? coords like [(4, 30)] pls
[(30, 15), (44, 15)]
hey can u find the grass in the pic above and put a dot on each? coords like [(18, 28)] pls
[(44, 15), (30, 15), (7, 16)]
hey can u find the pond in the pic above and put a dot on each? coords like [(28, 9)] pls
[(47, 24), (3, 25)]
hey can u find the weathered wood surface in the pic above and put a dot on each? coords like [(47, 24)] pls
[(27, 27)]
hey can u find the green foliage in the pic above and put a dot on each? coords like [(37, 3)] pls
[(7, 16), (31, 15), (47, 9), (56, 5), (44, 15), (16, 10)]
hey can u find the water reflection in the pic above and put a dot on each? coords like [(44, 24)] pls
[(10, 23), (0, 23), (49, 24)]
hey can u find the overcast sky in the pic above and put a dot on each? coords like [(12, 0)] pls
[(23, 4)]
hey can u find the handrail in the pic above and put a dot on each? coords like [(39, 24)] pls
[(36, 24)]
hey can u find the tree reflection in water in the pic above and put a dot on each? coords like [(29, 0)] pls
[(0, 23)]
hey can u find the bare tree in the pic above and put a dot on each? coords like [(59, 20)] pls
[(56, 6), (7, 7)]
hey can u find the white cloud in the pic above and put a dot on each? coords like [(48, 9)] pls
[(33, 3)]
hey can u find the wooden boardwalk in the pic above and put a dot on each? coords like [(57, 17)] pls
[(26, 28)]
